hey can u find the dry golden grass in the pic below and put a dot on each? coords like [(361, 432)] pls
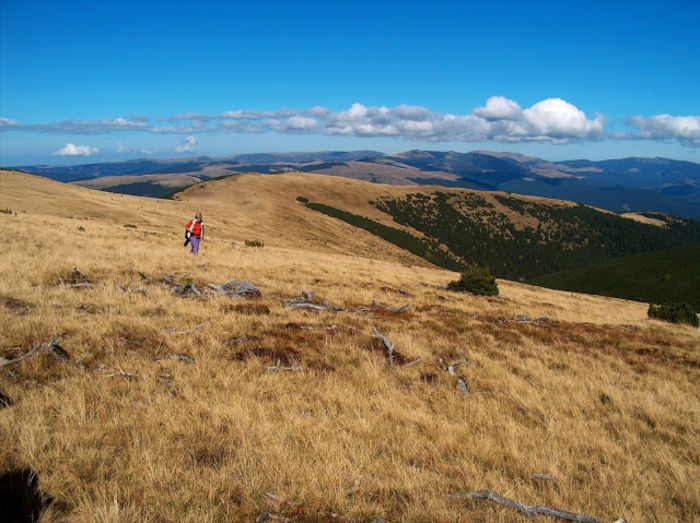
[(611, 411)]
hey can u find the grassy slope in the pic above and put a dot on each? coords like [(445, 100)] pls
[(611, 412), (667, 276)]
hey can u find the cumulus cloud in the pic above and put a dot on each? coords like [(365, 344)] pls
[(189, 146), (555, 119), (76, 150), (664, 126), (499, 108), (499, 120)]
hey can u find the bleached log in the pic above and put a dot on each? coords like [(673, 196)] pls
[(452, 366), (265, 516), (277, 498), (320, 327), (52, 348), (86, 284), (165, 379), (462, 385), (190, 330), (125, 374), (414, 362), (37, 347), (549, 477), (181, 357), (306, 306), (387, 344), (527, 510)]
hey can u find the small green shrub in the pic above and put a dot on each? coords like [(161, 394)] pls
[(129, 226), (81, 228), (674, 313), (302, 199), (6, 211), (254, 243), (477, 280)]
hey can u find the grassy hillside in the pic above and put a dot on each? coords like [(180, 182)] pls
[(667, 276), (194, 409)]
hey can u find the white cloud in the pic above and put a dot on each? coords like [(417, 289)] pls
[(189, 146), (499, 108), (76, 150), (124, 149), (664, 126), (556, 119), (499, 120)]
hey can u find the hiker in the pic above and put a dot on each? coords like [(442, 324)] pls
[(194, 232)]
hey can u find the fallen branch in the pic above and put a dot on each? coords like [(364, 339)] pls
[(182, 357), (173, 331), (414, 362), (166, 380), (265, 516), (452, 366), (527, 510), (462, 385), (52, 348), (85, 284), (123, 373), (278, 367), (545, 477), (387, 344), (307, 306), (26, 355)]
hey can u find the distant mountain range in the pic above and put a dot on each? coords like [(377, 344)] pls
[(628, 184)]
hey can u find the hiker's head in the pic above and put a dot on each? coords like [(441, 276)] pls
[(198, 216)]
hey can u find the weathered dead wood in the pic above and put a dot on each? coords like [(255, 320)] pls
[(452, 366), (173, 331), (127, 341), (278, 499), (52, 348), (414, 362), (241, 288), (387, 344), (529, 511), (137, 290), (462, 385), (181, 357), (278, 367), (354, 488), (307, 306), (123, 373), (166, 380), (265, 516), (26, 355), (187, 290), (85, 284), (319, 327), (548, 477)]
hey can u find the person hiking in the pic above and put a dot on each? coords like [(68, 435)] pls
[(194, 232)]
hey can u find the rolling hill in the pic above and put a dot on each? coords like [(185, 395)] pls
[(131, 401), (622, 185)]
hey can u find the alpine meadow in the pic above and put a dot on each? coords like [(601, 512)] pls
[(302, 368)]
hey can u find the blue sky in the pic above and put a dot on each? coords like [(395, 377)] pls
[(99, 81)]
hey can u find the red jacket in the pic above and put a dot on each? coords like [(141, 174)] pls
[(195, 227)]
